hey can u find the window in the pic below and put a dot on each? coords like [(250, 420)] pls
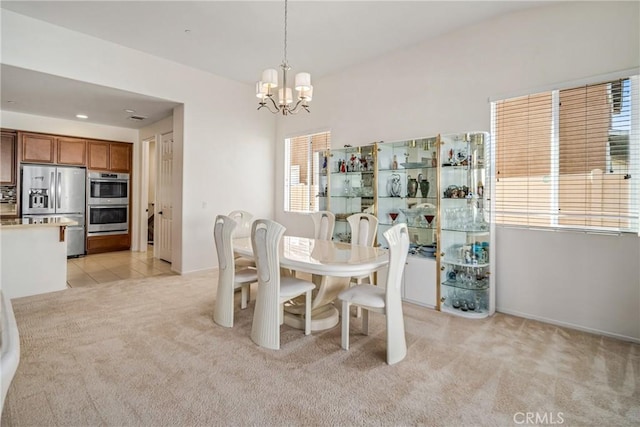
[(303, 155), (570, 158)]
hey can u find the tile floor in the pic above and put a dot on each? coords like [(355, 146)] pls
[(112, 266)]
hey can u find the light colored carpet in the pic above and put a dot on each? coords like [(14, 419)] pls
[(147, 353)]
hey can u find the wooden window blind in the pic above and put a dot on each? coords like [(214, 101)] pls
[(302, 166), (569, 158)]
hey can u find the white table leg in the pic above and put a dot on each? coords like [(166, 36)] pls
[(324, 315)]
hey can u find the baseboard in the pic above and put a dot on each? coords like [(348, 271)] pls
[(569, 325)]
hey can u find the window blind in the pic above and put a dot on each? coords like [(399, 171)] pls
[(300, 188), (569, 158)]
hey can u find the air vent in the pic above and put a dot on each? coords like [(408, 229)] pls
[(137, 118)]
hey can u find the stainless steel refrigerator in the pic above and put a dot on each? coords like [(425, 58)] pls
[(57, 191)]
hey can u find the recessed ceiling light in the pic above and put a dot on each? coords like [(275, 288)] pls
[(82, 116), (129, 110)]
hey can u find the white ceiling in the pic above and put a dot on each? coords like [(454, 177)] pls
[(238, 39)]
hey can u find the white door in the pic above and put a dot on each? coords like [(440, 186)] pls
[(164, 207)]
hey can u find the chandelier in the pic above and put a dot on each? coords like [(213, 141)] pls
[(302, 85)]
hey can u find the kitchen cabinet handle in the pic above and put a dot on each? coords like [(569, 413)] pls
[(160, 213)]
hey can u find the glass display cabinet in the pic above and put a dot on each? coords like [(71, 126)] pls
[(465, 237), (439, 187), (406, 191), (320, 180), (350, 185)]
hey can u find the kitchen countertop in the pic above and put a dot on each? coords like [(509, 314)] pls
[(36, 222)]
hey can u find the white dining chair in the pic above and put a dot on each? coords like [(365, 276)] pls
[(363, 228), (228, 278), (273, 289), (244, 220), (387, 300), (323, 224), (10, 354), (363, 232)]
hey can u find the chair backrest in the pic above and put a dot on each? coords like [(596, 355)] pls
[(265, 240), (244, 220), (363, 229), (222, 233), (323, 224), (398, 240)]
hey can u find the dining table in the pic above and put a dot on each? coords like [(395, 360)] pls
[(331, 265)]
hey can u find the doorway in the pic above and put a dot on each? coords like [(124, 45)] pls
[(155, 218), (163, 220), (151, 190)]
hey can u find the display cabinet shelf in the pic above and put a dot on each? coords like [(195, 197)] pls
[(464, 264), (476, 285), (358, 173), (475, 231), (471, 314)]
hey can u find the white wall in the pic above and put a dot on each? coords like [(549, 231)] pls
[(580, 280), (443, 86), (224, 159), (28, 122)]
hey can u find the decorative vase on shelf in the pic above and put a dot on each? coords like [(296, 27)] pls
[(412, 187), (424, 188)]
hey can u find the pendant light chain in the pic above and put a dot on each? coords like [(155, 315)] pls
[(285, 31)]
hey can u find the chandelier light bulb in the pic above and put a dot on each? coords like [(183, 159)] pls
[(289, 98), (260, 92), (303, 81), (270, 78), (306, 95)]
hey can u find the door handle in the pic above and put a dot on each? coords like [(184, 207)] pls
[(59, 188), (52, 189)]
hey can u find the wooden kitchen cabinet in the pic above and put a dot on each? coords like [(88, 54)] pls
[(98, 155), (72, 151), (38, 148), (120, 157), (109, 156), (42, 148), (8, 158)]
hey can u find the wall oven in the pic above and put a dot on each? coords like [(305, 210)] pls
[(106, 188), (107, 219)]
